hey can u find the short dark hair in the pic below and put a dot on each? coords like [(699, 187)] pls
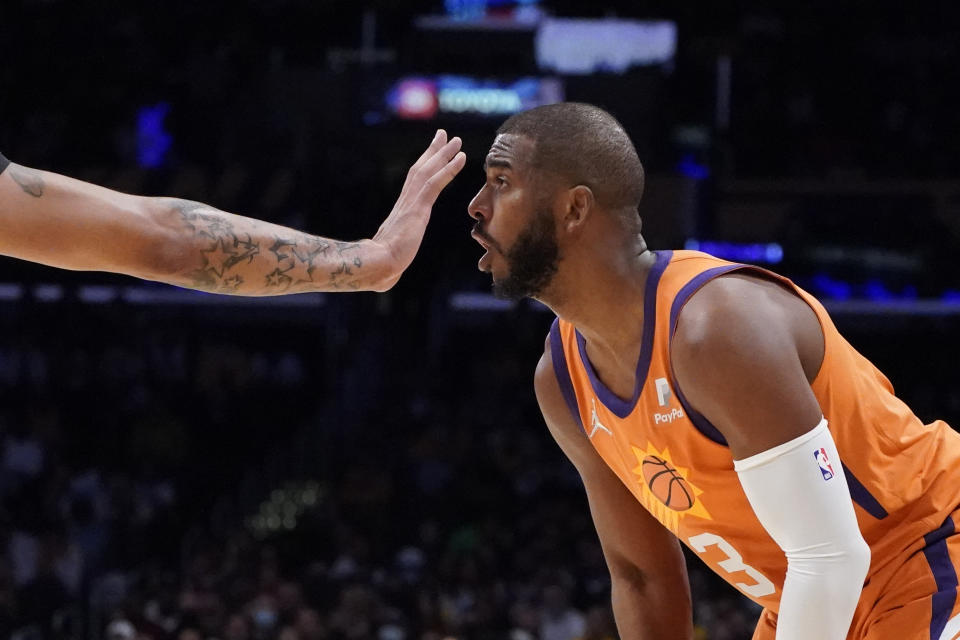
[(586, 145)]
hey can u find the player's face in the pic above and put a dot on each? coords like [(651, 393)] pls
[(515, 223)]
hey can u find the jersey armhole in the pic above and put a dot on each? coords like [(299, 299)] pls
[(704, 426), (562, 373)]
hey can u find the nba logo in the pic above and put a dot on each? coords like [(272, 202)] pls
[(663, 391), (825, 468)]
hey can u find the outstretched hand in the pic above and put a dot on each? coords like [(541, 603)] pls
[(66, 223), (398, 239)]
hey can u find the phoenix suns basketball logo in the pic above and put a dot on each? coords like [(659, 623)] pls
[(665, 489)]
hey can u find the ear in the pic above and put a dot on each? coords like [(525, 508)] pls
[(580, 203)]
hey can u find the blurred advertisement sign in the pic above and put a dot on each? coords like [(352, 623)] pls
[(414, 99), (420, 98), (474, 10), (578, 46)]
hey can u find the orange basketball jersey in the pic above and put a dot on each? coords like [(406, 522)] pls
[(903, 476)]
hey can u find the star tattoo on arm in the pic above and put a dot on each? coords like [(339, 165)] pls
[(278, 249), (278, 279), (341, 276), (233, 254), (244, 250), (218, 257)]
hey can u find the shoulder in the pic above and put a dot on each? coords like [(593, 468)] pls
[(743, 352), (741, 310)]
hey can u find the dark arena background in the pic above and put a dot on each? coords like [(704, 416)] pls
[(180, 465)]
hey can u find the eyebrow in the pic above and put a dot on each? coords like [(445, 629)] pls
[(497, 162)]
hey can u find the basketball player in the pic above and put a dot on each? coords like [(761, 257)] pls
[(55, 220), (714, 404)]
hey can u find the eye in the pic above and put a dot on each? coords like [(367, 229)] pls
[(501, 181)]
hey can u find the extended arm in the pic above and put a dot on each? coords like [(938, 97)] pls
[(651, 595), (66, 223), (744, 353)]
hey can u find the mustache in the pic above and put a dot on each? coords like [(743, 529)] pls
[(477, 229)]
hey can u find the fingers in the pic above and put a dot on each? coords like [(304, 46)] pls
[(434, 170), (439, 180), (439, 159), (439, 140)]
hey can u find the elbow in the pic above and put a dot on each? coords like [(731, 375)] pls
[(860, 557), (855, 556), (628, 577), (640, 600), (628, 584), (845, 562), (165, 253)]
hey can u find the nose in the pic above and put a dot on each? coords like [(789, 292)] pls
[(479, 207)]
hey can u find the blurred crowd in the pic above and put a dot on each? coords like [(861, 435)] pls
[(201, 483), (103, 429), (134, 474)]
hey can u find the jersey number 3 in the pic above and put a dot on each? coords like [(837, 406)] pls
[(734, 564)]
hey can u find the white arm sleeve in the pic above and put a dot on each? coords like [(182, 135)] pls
[(799, 493)]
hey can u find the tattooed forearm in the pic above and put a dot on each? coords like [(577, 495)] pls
[(239, 255), (203, 220), (221, 246), (30, 180), (348, 255)]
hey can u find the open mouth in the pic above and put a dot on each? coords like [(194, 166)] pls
[(479, 238), (484, 263)]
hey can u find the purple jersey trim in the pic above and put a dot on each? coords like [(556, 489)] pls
[(4, 163), (693, 286), (703, 425), (562, 373), (862, 496), (619, 407), (945, 575)]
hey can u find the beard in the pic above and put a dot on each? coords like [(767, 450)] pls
[(532, 260)]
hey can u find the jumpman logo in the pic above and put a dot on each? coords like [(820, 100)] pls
[(595, 421)]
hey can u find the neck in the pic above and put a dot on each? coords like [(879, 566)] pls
[(597, 292)]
